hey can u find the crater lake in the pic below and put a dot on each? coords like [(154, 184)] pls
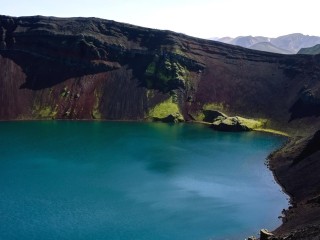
[(82, 180)]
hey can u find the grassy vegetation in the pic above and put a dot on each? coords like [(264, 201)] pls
[(165, 74), (47, 112), (199, 116), (268, 130), (65, 92), (251, 123), (177, 50), (95, 113), (165, 109)]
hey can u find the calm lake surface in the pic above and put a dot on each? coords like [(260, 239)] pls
[(134, 181)]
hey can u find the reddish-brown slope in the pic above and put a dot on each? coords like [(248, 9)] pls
[(56, 53), (297, 167)]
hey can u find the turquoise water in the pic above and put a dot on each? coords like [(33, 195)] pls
[(137, 181)]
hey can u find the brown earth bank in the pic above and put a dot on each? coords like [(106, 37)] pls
[(89, 68)]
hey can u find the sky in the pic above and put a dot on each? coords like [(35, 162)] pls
[(198, 18)]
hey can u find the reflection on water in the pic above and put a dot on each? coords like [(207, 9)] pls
[(119, 181)]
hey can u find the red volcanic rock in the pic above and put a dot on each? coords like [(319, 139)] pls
[(112, 66)]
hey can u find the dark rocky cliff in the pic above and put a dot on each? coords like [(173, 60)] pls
[(88, 68)]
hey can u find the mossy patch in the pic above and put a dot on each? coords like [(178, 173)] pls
[(164, 110), (178, 50), (251, 123), (47, 112), (236, 123), (95, 113), (65, 92), (272, 131), (199, 116), (207, 109), (166, 74)]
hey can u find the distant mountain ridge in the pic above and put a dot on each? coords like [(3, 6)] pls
[(269, 47), (287, 44)]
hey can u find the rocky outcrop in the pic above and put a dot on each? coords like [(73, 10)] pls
[(235, 124), (311, 146), (166, 111), (211, 115), (307, 104), (89, 68), (171, 118), (296, 167), (252, 238), (265, 235)]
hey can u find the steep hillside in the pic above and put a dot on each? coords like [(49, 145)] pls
[(93, 68), (88, 68), (297, 167), (312, 50)]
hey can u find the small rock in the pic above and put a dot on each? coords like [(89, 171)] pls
[(67, 113), (230, 124), (172, 118), (235, 124), (265, 234), (212, 115), (252, 238)]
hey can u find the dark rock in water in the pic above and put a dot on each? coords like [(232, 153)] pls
[(211, 115), (172, 118), (234, 124), (229, 124), (252, 238), (266, 235)]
